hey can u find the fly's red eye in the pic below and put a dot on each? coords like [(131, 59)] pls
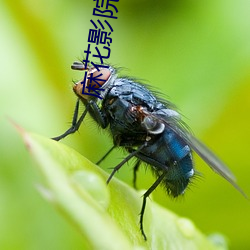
[(100, 77), (92, 82)]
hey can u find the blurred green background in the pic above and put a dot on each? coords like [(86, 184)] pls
[(195, 52)]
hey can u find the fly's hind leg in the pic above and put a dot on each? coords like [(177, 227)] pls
[(145, 196)]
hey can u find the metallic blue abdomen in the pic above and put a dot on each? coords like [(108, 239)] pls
[(168, 153)]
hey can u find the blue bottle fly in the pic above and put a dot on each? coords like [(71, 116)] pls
[(149, 128)]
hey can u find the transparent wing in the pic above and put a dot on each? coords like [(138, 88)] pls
[(207, 155), (175, 124)]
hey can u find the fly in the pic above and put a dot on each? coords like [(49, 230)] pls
[(149, 128)]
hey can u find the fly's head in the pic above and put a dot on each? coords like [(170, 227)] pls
[(95, 83)]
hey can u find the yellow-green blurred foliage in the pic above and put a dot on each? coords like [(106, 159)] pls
[(195, 52)]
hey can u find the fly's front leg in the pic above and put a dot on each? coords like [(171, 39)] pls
[(97, 114), (75, 124), (94, 111)]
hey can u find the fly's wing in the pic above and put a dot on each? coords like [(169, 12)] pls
[(212, 160), (175, 124)]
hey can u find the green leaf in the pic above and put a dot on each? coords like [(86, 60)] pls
[(106, 215)]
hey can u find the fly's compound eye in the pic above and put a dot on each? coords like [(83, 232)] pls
[(152, 125), (93, 81)]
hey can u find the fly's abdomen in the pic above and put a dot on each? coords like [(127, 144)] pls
[(180, 166), (170, 155), (178, 176)]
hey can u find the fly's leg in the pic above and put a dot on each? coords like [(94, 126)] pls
[(75, 124), (135, 169), (125, 160), (145, 196), (95, 112), (105, 155)]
